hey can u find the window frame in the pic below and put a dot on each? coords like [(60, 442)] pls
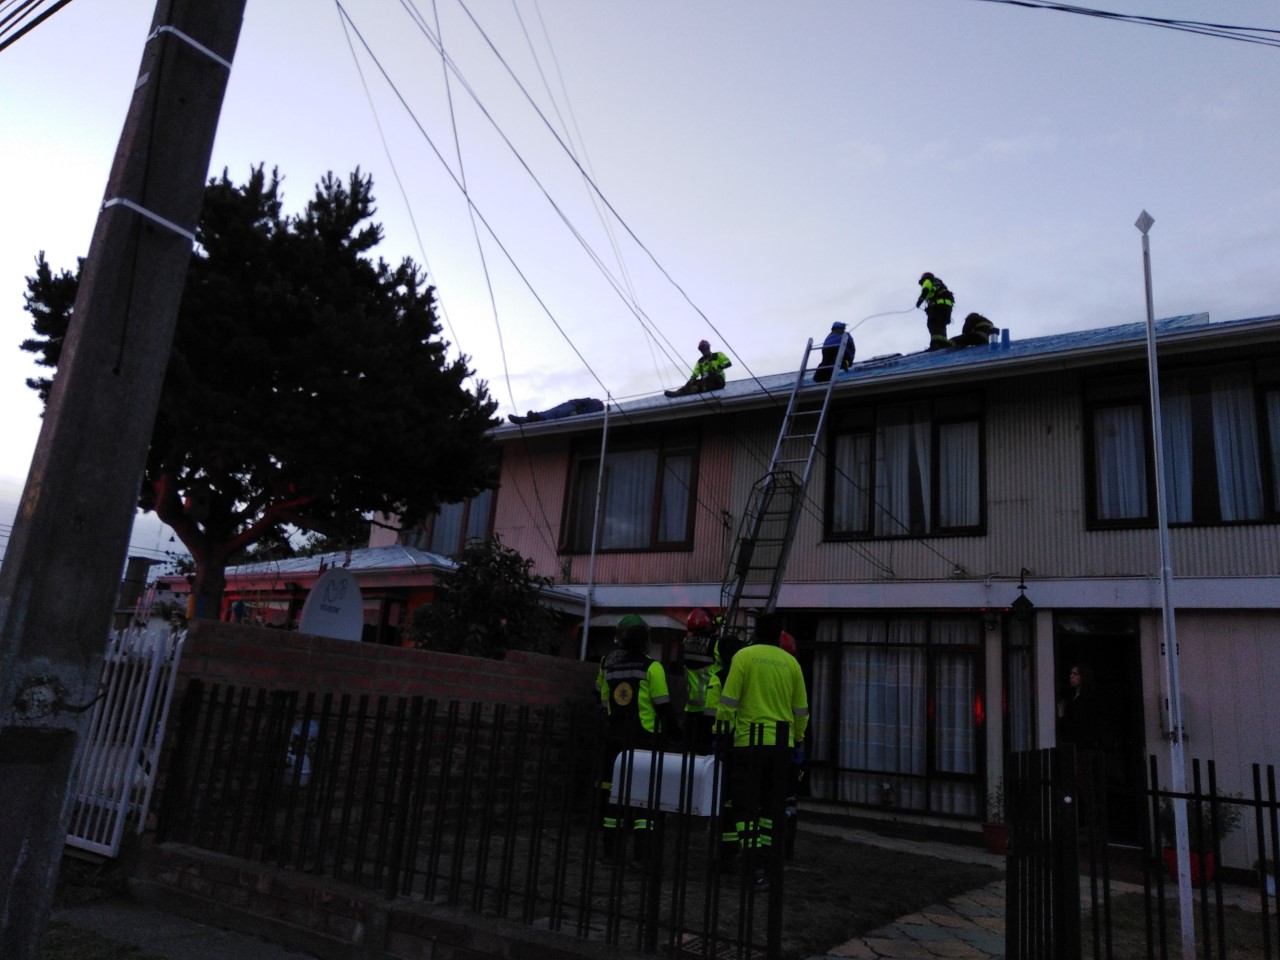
[(584, 467), (1115, 390), (421, 536), (944, 411)]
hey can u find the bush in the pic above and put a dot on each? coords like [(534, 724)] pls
[(1200, 831)]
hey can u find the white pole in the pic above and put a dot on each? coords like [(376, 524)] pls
[(1173, 682), (595, 529)]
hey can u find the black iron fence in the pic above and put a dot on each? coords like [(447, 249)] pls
[(1075, 890), (491, 808)]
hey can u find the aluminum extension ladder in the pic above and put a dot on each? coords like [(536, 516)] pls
[(758, 559)]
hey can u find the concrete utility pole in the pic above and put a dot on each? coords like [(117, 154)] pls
[(62, 567)]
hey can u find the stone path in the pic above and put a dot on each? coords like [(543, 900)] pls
[(968, 926)]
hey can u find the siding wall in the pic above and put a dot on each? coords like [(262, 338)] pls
[(1035, 503)]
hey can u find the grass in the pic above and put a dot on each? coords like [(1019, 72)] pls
[(1242, 930), (834, 890)]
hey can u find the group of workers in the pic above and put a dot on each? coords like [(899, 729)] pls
[(740, 698), (837, 349)]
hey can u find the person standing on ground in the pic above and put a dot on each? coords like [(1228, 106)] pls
[(765, 689), (701, 653), (708, 372), (831, 349), (634, 696), (938, 301)]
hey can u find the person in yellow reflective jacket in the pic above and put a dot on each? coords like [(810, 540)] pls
[(701, 652), (938, 301), (708, 372), (765, 693), (634, 696)]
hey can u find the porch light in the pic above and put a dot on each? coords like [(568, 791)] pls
[(1022, 607)]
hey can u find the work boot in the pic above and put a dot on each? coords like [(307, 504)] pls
[(514, 419)]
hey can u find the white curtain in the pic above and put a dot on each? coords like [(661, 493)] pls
[(902, 459), (958, 504), (1273, 425), (1120, 463), (478, 516), (446, 531), (955, 696), (1175, 422), (673, 513), (1235, 448), (628, 499), (851, 484)]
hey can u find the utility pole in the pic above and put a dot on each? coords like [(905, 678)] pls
[(67, 549)]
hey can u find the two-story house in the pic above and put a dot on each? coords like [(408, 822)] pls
[(948, 485)]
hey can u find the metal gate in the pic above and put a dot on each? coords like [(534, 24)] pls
[(115, 769), (1043, 909)]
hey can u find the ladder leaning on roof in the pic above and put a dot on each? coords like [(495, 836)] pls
[(759, 556)]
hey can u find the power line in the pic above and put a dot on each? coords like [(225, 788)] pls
[(1261, 35)]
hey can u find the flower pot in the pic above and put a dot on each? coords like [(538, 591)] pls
[(1197, 875), (995, 836)]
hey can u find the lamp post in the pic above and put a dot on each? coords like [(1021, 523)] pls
[(1173, 682)]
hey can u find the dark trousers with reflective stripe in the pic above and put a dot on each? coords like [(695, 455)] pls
[(758, 780), (937, 316)]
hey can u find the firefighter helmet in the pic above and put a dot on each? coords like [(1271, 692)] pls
[(700, 620)]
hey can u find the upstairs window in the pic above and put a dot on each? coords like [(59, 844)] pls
[(647, 497), (907, 469), (1221, 429), (447, 531)]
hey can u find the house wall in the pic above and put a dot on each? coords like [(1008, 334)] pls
[(1035, 487)]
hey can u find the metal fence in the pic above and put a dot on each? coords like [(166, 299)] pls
[(491, 808), (115, 767), (1072, 892)]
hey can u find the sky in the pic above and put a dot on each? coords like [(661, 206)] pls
[(761, 170)]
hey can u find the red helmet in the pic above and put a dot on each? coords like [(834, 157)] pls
[(700, 620), (787, 642)]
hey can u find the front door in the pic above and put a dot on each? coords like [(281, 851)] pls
[(1104, 646)]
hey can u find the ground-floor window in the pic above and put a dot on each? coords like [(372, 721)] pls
[(897, 713)]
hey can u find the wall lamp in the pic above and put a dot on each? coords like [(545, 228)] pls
[(1022, 607)]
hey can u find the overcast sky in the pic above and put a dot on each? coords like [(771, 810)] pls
[(772, 167)]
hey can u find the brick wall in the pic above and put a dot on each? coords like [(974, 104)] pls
[(238, 655)]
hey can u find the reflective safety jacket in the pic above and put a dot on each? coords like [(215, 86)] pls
[(701, 666), (632, 688), (716, 363), (935, 293), (765, 686)]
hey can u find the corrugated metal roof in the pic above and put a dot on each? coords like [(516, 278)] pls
[(364, 559), (969, 362)]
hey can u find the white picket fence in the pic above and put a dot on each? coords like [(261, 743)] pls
[(115, 768)]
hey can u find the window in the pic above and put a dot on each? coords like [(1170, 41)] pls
[(647, 497), (447, 531), (897, 713), (1220, 425), (907, 469)]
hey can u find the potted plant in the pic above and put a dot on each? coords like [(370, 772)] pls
[(1267, 872), (994, 830), (1202, 838)]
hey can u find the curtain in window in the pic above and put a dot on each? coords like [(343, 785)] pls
[(1120, 463), (1175, 423), (628, 499), (1235, 448), (955, 695), (902, 475), (673, 517), (1020, 685), (1273, 426), (851, 484), (478, 516), (958, 504), (446, 531)]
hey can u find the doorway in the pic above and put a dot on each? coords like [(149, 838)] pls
[(1107, 646)]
